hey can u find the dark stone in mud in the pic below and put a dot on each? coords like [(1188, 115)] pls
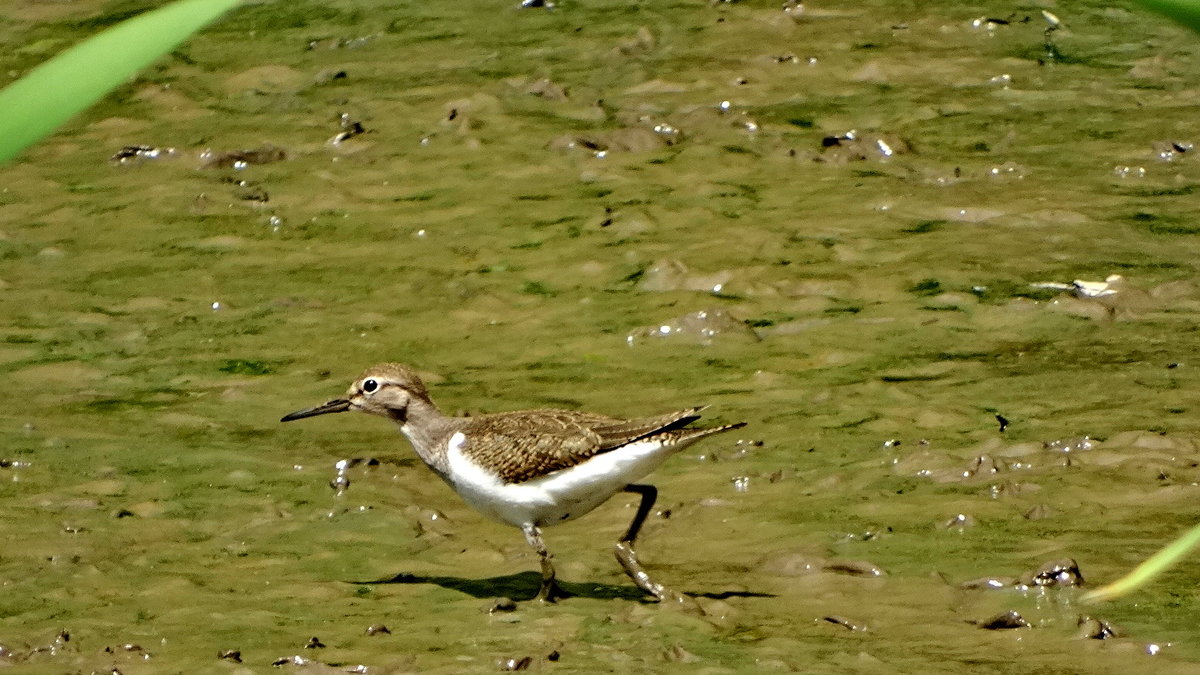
[(210, 159), (1169, 151), (355, 461), (329, 75), (854, 147), (1068, 445), (514, 664), (1063, 572), (500, 605), (801, 564), (350, 128), (854, 568), (253, 195), (960, 521), (988, 583), (842, 621), (626, 139), (1005, 621), (872, 534), (984, 465), (1096, 629), (127, 648), (135, 153), (1009, 489)]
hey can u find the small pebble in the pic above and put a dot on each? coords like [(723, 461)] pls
[(1096, 629), (842, 621), (1005, 621), (500, 605), (514, 664)]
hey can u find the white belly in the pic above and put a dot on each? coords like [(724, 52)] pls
[(557, 497)]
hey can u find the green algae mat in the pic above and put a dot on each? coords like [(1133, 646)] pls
[(942, 258)]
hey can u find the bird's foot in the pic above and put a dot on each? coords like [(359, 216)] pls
[(666, 596), (551, 592), (633, 567)]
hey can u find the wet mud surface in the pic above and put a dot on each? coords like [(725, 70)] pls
[(944, 262)]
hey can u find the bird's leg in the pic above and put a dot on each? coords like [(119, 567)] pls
[(626, 555), (549, 592)]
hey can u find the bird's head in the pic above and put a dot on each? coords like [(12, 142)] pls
[(386, 390)]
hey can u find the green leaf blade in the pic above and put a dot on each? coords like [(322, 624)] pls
[(38, 103), (1186, 12)]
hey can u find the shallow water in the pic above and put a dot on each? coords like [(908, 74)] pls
[(680, 215)]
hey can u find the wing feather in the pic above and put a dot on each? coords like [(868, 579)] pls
[(524, 445)]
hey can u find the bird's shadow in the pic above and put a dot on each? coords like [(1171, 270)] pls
[(525, 586)]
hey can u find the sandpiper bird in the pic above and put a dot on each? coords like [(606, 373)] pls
[(530, 468)]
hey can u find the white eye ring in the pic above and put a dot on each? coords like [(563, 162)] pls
[(370, 386)]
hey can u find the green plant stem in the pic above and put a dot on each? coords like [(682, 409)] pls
[(1146, 571), (35, 105)]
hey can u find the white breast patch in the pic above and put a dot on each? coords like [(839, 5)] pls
[(563, 495)]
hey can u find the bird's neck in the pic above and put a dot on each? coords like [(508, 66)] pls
[(428, 430)]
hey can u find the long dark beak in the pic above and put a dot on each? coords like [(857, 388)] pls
[(336, 405)]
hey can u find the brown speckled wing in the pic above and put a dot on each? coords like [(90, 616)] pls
[(520, 446), (623, 432)]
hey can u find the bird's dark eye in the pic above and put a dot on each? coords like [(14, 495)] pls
[(369, 386)]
